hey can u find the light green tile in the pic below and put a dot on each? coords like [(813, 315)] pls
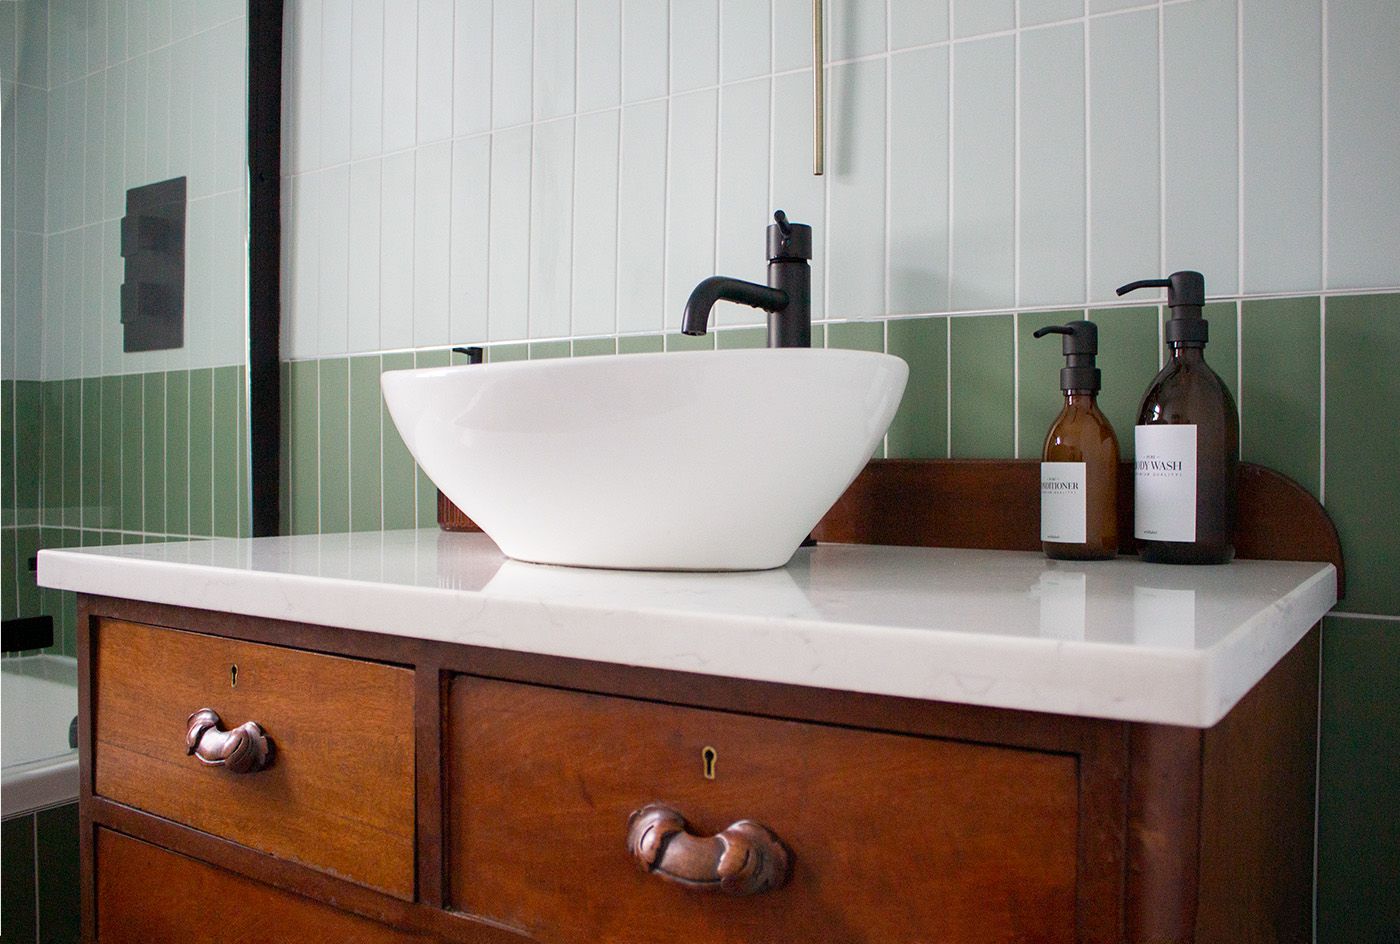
[(640, 344), (1128, 357), (284, 450), (29, 462), (59, 880), (1281, 402), (592, 347), (153, 450), (365, 417), (856, 335), (111, 466), (545, 350), (72, 453), (30, 601), (245, 484), (426, 499), (690, 342), (1363, 448), (501, 353), (201, 475), (133, 413), (51, 417), (17, 878), (305, 455), (399, 474), (741, 338), (177, 452), (7, 457), (226, 451), (1358, 831), (335, 445), (9, 575), (1222, 351), (920, 426), (91, 474), (1038, 381), (981, 361)]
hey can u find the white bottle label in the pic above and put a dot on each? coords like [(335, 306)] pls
[(1164, 483), (1062, 501)]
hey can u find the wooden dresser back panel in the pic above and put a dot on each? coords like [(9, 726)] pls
[(894, 838), (338, 795)]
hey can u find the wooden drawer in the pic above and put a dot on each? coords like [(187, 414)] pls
[(146, 895), (338, 793), (892, 838)]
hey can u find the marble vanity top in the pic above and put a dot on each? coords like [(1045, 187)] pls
[(1116, 639)]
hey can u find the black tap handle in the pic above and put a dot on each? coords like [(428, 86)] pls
[(473, 353), (1144, 283), (1053, 329), (781, 219)]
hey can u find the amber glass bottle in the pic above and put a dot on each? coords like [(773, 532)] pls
[(1187, 443), (1079, 465)]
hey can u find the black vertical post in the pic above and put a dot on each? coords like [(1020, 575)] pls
[(264, 259)]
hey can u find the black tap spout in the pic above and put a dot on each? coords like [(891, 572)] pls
[(721, 287)]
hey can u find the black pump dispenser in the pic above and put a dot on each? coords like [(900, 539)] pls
[(1081, 345), (1186, 294)]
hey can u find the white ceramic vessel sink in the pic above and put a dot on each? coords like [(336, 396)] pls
[(714, 460)]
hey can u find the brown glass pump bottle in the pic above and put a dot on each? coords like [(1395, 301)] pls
[(1079, 465), (1187, 442)]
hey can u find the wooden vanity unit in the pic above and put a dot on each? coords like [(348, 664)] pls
[(252, 778)]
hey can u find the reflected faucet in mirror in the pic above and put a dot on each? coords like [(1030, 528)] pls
[(787, 297)]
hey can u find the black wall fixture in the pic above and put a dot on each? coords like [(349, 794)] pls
[(264, 255), (153, 283)]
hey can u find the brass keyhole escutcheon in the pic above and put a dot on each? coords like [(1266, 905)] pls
[(233, 676), (709, 755)]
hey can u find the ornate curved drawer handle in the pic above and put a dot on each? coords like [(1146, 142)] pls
[(744, 859), (244, 750)]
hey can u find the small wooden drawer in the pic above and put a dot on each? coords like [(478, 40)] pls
[(146, 895), (337, 791), (889, 838)]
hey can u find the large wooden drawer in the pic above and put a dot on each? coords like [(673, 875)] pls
[(146, 895), (892, 838), (339, 792)]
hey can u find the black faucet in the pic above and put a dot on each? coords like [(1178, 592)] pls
[(787, 297)]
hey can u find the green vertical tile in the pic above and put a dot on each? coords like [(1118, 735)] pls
[(741, 338), (1038, 392), (856, 335), (1128, 358), (226, 452), (690, 342), (177, 452), (397, 470), (284, 448), (111, 468), (91, 475), (30, 599), (592, 347), (153, 449), (201, 475), (130, 538), (133, 413), (1281, 394), (245, 484), (50, 600), (334, 428), (498, 354), (641, 344), (17, 892), (51, 418), (9, 574), (72, 452), (981, 363), (1222, 351), (29, 461), (427, 491), (542, 350), (920, 427), (68, 601), (1358, 832), (59, 882), (305, 447), (7, 453), (365, 417), (1363, 449)]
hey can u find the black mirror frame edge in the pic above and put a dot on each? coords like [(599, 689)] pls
[(264, 416)]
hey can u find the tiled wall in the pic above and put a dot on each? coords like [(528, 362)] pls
[(39, 884)]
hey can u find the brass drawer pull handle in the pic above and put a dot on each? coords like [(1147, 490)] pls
[(744, 859), (244, 750)]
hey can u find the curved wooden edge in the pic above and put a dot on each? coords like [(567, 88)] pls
[(994, 504)]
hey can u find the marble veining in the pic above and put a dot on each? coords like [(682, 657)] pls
[(1115, 639)]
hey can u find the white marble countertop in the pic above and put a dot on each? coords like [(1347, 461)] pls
[(1116, 639)]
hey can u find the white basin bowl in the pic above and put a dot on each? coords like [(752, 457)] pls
[(711, 460)]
